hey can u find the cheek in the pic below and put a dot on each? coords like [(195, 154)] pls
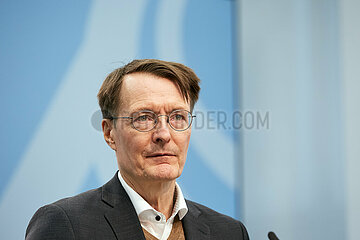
[(187, 139), (183, 144), (129, 154), (134, 144)]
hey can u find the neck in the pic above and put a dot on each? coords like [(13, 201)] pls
[(159, 194)]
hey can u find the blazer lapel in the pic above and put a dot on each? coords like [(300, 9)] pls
[(121, 214), (125, 224), (193, 228)]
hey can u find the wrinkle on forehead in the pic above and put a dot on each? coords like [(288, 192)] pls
[(142, 91)]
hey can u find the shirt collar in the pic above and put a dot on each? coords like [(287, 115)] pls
[(141, 205)]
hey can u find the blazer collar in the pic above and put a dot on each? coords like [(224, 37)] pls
[(121, 214), (125, 224), (193, 227)]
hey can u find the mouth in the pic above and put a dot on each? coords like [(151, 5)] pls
[(155, 155)]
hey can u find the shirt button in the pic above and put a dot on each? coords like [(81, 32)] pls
[(157, 218)]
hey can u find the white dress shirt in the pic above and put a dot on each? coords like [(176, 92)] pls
[(151, 220)]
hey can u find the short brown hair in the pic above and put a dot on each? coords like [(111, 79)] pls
[(184, 78)]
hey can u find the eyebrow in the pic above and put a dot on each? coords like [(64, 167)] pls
[(152, 108)]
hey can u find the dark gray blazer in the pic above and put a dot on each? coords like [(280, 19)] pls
[(107, 213)]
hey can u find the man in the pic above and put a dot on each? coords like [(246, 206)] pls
[(147, 114)]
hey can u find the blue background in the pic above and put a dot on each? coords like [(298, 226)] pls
[(295, 60)]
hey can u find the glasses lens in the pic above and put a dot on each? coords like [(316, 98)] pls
[(180, 119), (144, 120)]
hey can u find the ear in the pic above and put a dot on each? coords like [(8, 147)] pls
[(108, 128)]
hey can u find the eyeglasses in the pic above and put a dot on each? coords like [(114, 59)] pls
[(144, 121)]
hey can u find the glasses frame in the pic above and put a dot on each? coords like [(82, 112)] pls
[(157, 119)]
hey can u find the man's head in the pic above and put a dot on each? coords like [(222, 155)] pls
[(185, 79), (148, 85)]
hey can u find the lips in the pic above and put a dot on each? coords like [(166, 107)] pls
[(160, 155)]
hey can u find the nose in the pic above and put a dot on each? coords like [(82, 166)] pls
[(161, 135)]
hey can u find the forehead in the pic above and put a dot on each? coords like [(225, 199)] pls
[(146, 91)]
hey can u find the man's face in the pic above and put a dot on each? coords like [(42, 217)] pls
[(159, 154)]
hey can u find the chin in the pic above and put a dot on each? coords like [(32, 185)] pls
[(167, 173)]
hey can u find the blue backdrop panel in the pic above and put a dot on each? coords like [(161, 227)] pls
[(54, 57)]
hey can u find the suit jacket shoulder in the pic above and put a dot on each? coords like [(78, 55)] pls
[(102, 213), (76, 217), (213, 224), (47, 222)]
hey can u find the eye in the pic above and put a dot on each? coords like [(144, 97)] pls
[(179, 117), (144, 117)]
